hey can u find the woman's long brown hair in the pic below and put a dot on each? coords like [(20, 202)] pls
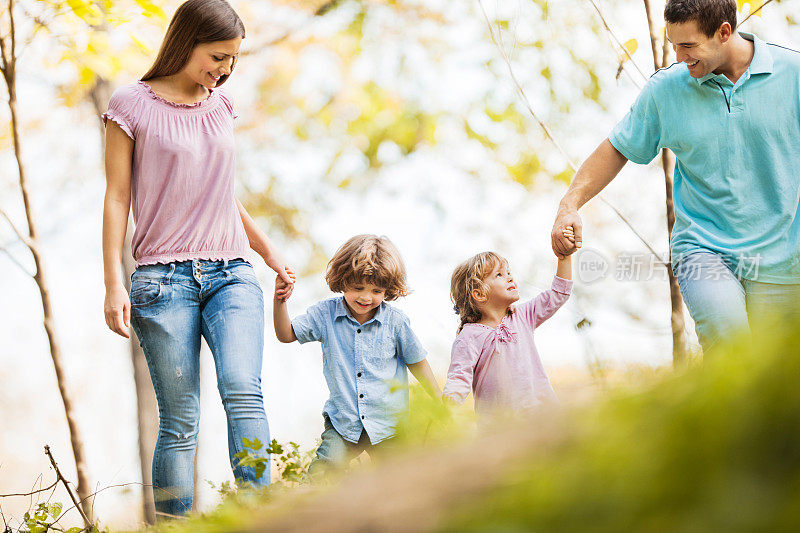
[(195, 22)]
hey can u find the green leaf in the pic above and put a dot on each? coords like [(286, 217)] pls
[(55, 509)]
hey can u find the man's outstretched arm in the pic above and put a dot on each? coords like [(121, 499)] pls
[(595, 173)]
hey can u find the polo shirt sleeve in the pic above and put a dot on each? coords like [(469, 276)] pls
[(409, 348), (638, 135), (311, 326)]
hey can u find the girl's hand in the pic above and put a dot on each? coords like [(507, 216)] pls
[(117, 310), (284, 285), (569, 233)]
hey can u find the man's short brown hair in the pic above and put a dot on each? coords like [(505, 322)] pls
[(708, 14), (368, 259)]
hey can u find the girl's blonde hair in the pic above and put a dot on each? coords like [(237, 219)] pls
[(368, 259), (468, 277)]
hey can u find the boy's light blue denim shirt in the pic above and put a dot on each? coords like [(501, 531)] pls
[(737, 176), (364, 365)]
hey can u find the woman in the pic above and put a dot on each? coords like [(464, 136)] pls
[(169, 149)]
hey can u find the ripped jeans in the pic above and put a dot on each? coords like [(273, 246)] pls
[(171, 307)]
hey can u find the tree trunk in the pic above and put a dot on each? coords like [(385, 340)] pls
[(9, 75), (668, 165), (146, 405)]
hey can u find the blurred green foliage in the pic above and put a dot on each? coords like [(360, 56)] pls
[(715, 447)]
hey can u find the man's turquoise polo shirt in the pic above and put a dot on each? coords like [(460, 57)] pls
[(737, 176)]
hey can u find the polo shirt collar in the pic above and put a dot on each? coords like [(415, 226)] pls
[(760, 64), (343, 312)]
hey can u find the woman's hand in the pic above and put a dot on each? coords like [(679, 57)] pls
[(284, 282), (117, 309)]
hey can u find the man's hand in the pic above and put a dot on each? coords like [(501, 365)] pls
[(566, 235)]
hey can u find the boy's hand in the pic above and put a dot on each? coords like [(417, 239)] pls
[(283, 289)]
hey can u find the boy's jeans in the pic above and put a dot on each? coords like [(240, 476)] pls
[(171, 307), (723, 304), (334, 453)]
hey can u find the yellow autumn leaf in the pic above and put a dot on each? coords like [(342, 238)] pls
[(143, 46), (630, 46), (754, 4), (149, 9)]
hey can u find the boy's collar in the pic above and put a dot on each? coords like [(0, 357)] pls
[(343, 311)]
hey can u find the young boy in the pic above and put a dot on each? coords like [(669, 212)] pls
[(366, 345)]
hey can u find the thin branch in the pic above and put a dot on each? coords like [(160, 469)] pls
[(3, 58), (633, 229), (61, 478), (39, 481), (24, 238), (754, 12), (13, 51), (523, 96), (19, 265), (32, 492), (608, 29), (320, 11), (520, 91), (137, 483)]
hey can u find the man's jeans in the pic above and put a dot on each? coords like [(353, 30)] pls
[(724, 305), (171, 307)]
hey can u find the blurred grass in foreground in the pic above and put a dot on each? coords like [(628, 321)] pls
[(712, 448)]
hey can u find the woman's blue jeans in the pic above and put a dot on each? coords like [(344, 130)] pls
[(171, 307), (724, 305)]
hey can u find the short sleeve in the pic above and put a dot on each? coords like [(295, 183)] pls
[(228, 103), (638, 135), (311, 326), (121, 109), (463, 358), (409, 348), (539, 309)]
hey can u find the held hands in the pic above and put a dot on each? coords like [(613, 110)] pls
[(284, 284), (117, 310), (566, 235)]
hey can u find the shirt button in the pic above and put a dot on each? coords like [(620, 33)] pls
[(362, 417), (358, 375), (360, 395), (358, 331)]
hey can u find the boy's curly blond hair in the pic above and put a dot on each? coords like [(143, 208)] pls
[(468, 277), (368, 259)]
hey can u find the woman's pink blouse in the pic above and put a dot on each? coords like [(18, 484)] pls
[(182, 176)]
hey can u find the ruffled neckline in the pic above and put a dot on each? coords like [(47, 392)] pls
[(503, 331), (149, 90)]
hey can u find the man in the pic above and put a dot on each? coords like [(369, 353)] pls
[(730, 111)]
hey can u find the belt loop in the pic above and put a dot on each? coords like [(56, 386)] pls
[(171, 271), (225, 264)]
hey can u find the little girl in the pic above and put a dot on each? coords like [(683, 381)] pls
[(367, 345), (494, 353)]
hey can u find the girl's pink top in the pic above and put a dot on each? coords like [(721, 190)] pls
[(181, 176), (501, 366)]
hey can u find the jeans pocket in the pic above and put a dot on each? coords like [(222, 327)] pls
[(145, 292), (243, 272), (149, 297)]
